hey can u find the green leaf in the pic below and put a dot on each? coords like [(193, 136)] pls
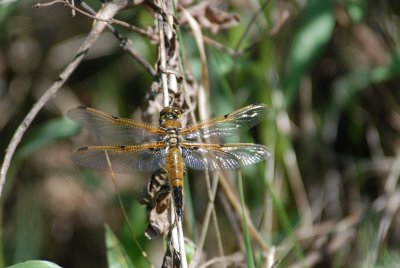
[(247, 242), (28, 237), (356, 9), (35, 264), (44, 134), (316, 27), (116, 255), (47, 133)]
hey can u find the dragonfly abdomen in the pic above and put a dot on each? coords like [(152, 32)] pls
[(175, 167)]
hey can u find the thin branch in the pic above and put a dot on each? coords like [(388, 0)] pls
[(130, 227), (181, 240), (234, 259), (239, 43), (232, 198), (73, 11), (196, 30), (39, 5), (250, 24), (198, 36), (166, 52), (162, 54), (230, 51), (210, 209), (106, 12), (93, 16), (126, 43)]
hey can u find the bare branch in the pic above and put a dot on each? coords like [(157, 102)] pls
[(163, 56), (130, 227), (126, 43), (106, 12), (93, 16)]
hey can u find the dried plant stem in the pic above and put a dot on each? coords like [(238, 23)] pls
[(391, 208), (130, 227), (181, 243), (246, 237), (212, 193), (126, 43), (165, 23), (107, 11), (268, 212), (198, 35), (231, 52), (177, 237), (241, 40), (233, 259), (209, 211), (232, 198), (162, 54), (203, 97), (297, 184), (93, 16)]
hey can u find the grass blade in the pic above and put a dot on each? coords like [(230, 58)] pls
[(249, 251), (116, 255)]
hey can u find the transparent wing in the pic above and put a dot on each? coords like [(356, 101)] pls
[(226, 125), (124, 159), (222, 156), (116, 130)]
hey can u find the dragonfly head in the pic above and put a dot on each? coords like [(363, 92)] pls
[(169, 113)]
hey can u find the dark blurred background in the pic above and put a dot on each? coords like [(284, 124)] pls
[(328, 70)]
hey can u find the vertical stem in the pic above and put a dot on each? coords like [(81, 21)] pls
[(181, 243), (177, 236), (167, 36), (162, 54), (249, 251)]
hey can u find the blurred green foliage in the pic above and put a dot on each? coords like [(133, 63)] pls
[(35, 264), (116, 255), (329, 72)]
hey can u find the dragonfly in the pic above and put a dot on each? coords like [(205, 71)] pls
[(143, 147)]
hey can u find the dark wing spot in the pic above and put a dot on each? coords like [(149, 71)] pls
[(226, 116), (122, 146), (115, 117), (83, 148), (81, 107), (195, 148), (221, 144)]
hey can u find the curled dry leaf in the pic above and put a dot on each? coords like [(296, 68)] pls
[(211, 18), (156, 197), (159, 222)]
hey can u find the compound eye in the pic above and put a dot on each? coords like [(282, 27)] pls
[(164, 112), (176, 113)]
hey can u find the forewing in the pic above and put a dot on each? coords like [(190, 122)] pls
[(115, 129), (124, 159), (223, 156), (226, 125)]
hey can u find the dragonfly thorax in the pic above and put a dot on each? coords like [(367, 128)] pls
[(172, 137), (172, 127)]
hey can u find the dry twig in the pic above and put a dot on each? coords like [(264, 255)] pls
[(130, 227), (93, 16), (107, 11), (126, 43), (167, 52)]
